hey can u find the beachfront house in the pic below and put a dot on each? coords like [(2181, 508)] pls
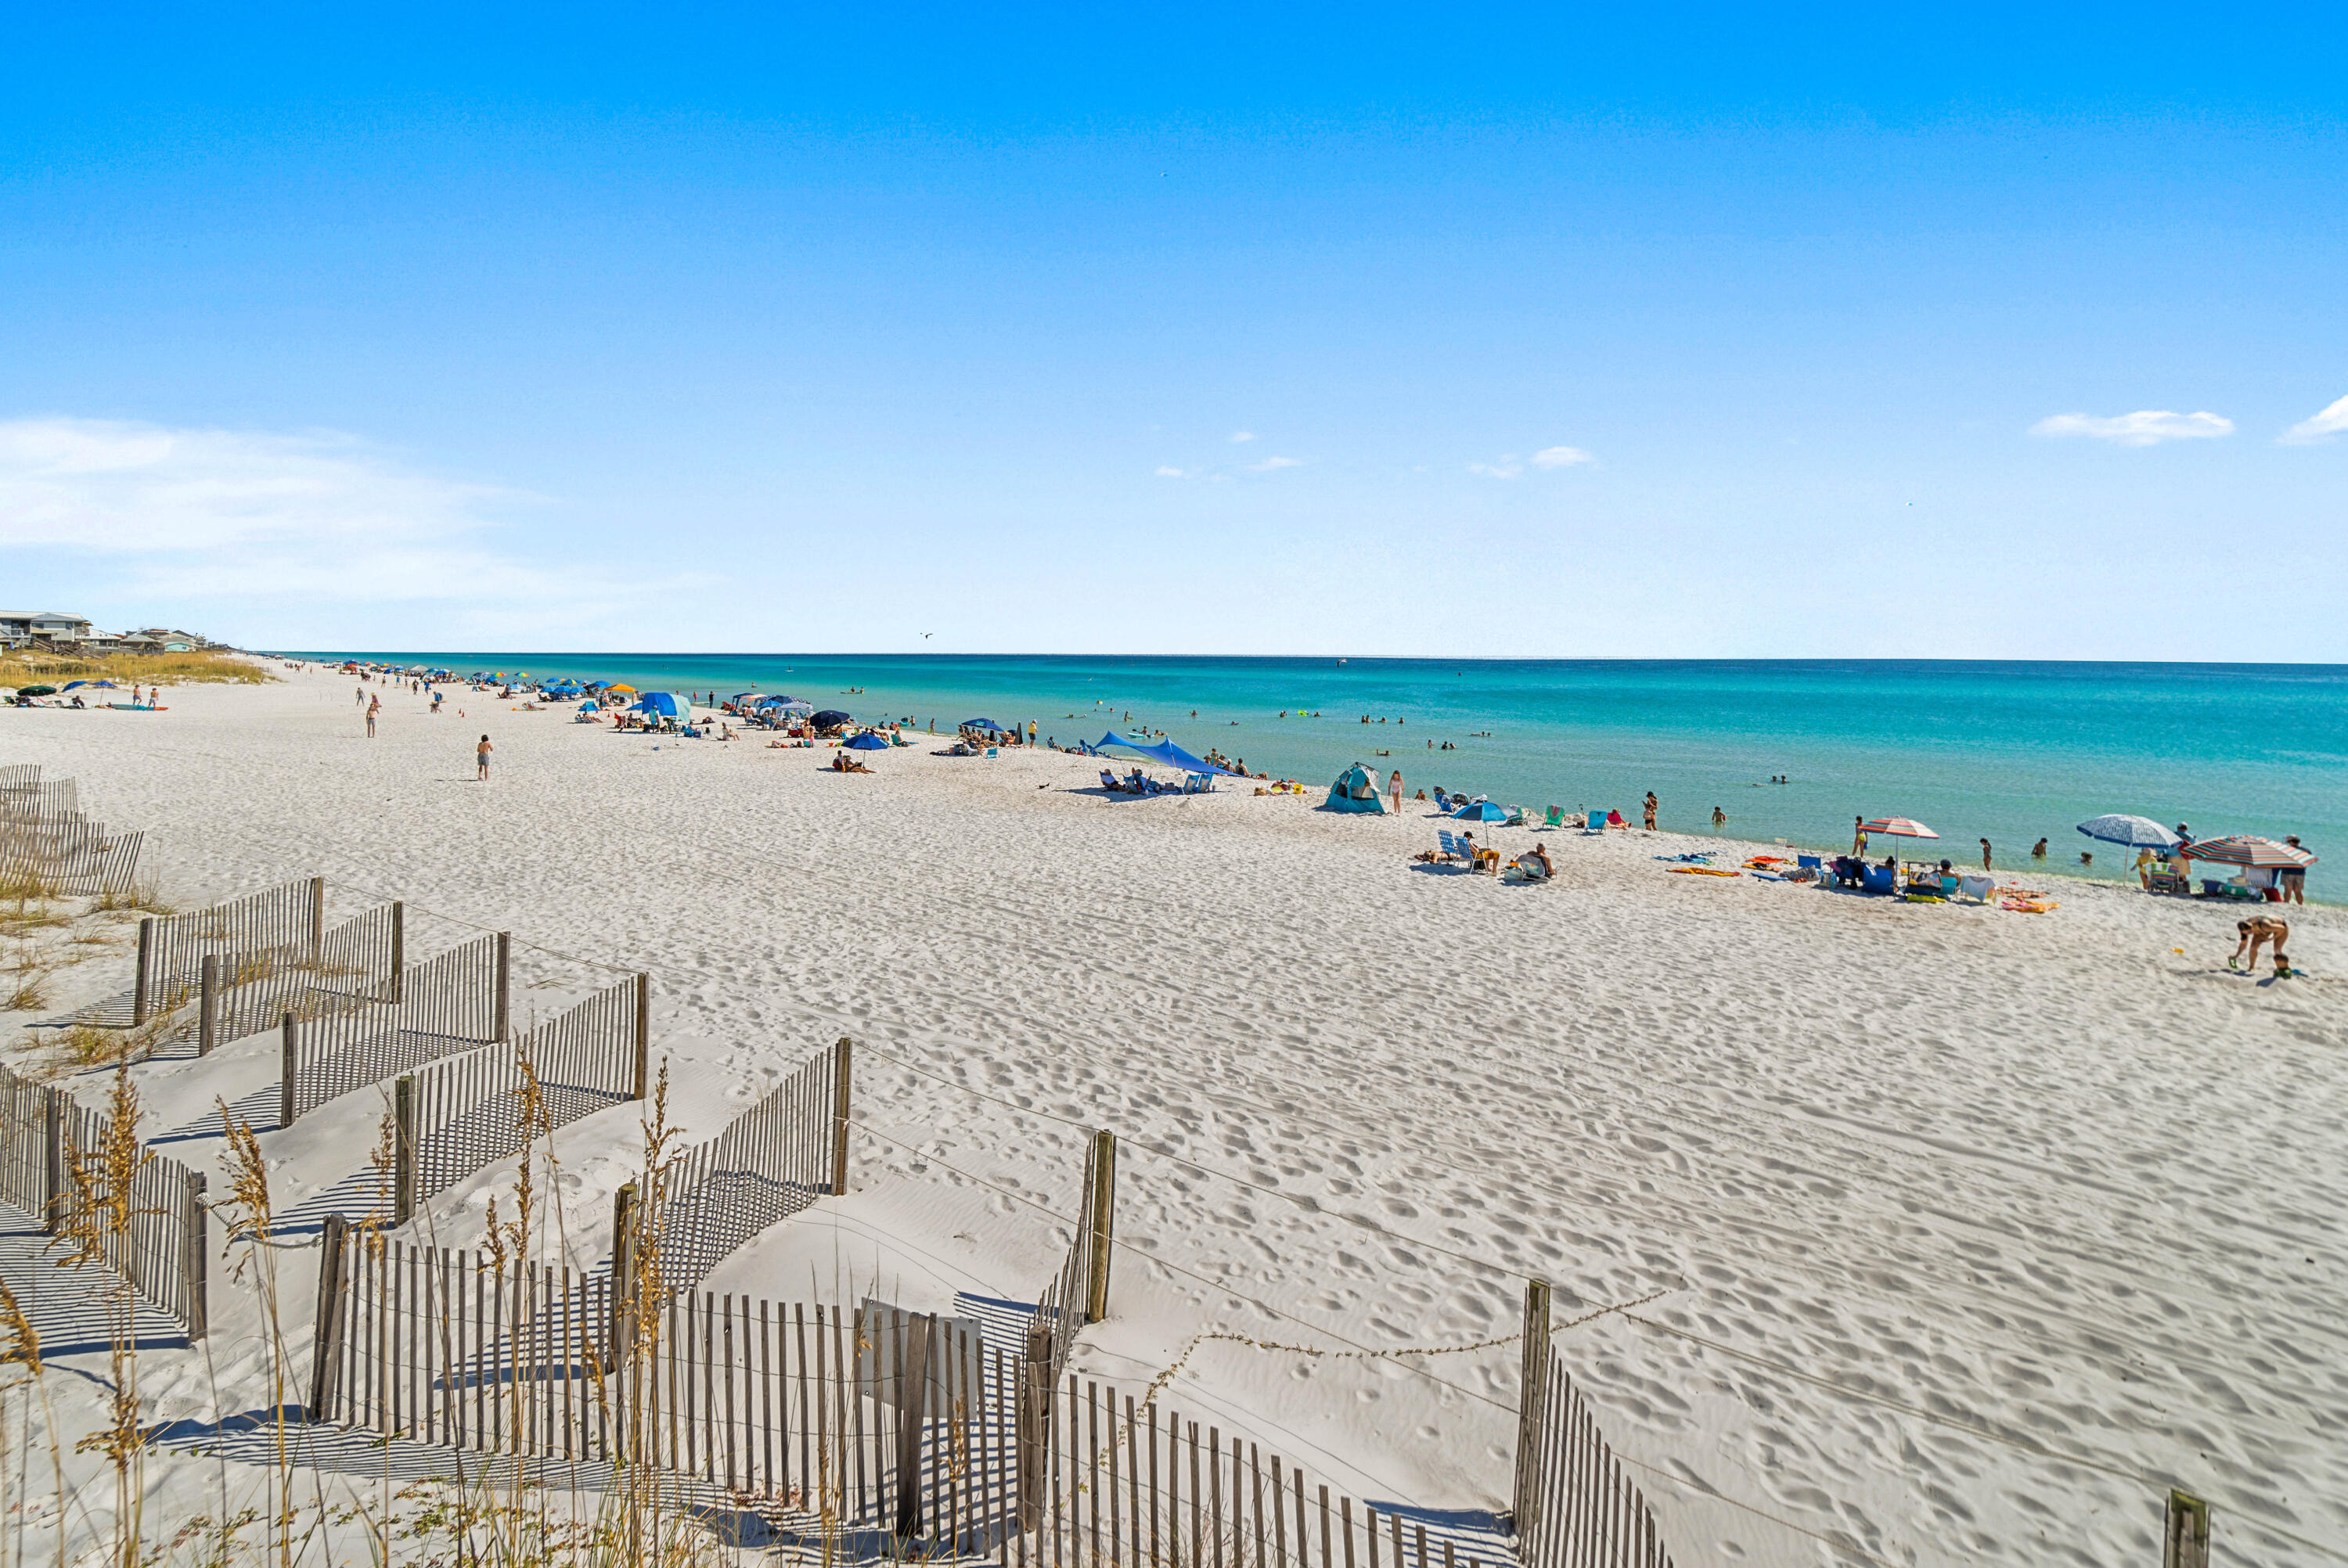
[(23, 627)]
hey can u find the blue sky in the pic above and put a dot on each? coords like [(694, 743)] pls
[(1177, 329)]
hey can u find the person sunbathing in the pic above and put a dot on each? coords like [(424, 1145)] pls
[(1537, 856)]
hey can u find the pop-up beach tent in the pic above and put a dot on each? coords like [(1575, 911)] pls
[(1356, 789), (667, 704)]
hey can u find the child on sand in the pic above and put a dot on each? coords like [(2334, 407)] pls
[(2256, 932), (481, 758)]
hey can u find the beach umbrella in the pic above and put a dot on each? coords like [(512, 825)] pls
[(2136, 832), (1896, 827), (1481, 811), (623, 686), (868, 742), (982, 724), (2249, 849)]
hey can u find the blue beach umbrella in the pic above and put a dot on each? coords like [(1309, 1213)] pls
[(1481, 811), (868, 742), (2136, 832), (981, 724)]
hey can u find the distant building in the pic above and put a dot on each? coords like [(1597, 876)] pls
[(21, 627)]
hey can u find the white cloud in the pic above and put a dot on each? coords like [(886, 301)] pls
[(1240, 436), (2145, 428), (1561, 458), (2321, 427), (1268, 464), (262, 518), (1166, 473), (1506, 469)]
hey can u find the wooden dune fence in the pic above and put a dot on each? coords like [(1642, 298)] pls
[(869, 1425), (172, 947), (43, 844), (33, 796), (1575, 1508), (245, 993), (157, 1246), (450, 1003), (467, 1111), (18, 779), (770, 1161), (1078, 1294)]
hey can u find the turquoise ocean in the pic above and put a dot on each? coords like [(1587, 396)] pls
[(2012, 752)]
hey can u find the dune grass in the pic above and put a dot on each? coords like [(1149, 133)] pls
[(202, 667)]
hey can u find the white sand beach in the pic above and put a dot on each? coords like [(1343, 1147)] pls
[(1889, 1233)]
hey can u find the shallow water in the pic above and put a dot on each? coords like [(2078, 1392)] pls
[(2009, 751)]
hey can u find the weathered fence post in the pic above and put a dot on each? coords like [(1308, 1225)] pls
[(1033, 1418), (403, 1149), (53, 1158), (194, 1268), (623, 1274), (843, 1060), (141, 980), (1104, 1212), (208, 1009), (502, 988), (285, 1073), (2187, 1539), (326, 1348), (913, 1416), (643, 1036), (317, 919), (398, 952), (1532, 1403)]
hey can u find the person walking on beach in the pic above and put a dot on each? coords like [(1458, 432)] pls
[(1394, 787), (372, 705), (358, 696), (1985, 855), (1651, 811), (481, 758), (1859, 836)]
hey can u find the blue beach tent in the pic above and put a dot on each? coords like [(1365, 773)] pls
[(1356, 789), (667, 704)]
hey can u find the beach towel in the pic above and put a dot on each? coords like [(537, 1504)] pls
[(1701, 871)]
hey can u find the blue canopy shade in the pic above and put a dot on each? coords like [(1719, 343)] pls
[(868, 742), (1481, 811), (981, 724), (667, 704), (1164, 751), (589, 707)]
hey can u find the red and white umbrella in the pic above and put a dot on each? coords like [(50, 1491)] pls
[(2247, 849), (1896, 827)]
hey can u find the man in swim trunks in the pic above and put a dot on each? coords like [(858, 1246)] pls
[(2256, 932), (1651, 811)]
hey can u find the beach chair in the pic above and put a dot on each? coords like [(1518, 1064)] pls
[(2171, 882), (1451, 849), (1556, 818), (1108, 780), (1810, 862), (1516, 817), (1595, 823), (1978, 886)]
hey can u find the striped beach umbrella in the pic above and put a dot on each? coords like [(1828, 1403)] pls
[(2249, 849), (1898, 827)]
